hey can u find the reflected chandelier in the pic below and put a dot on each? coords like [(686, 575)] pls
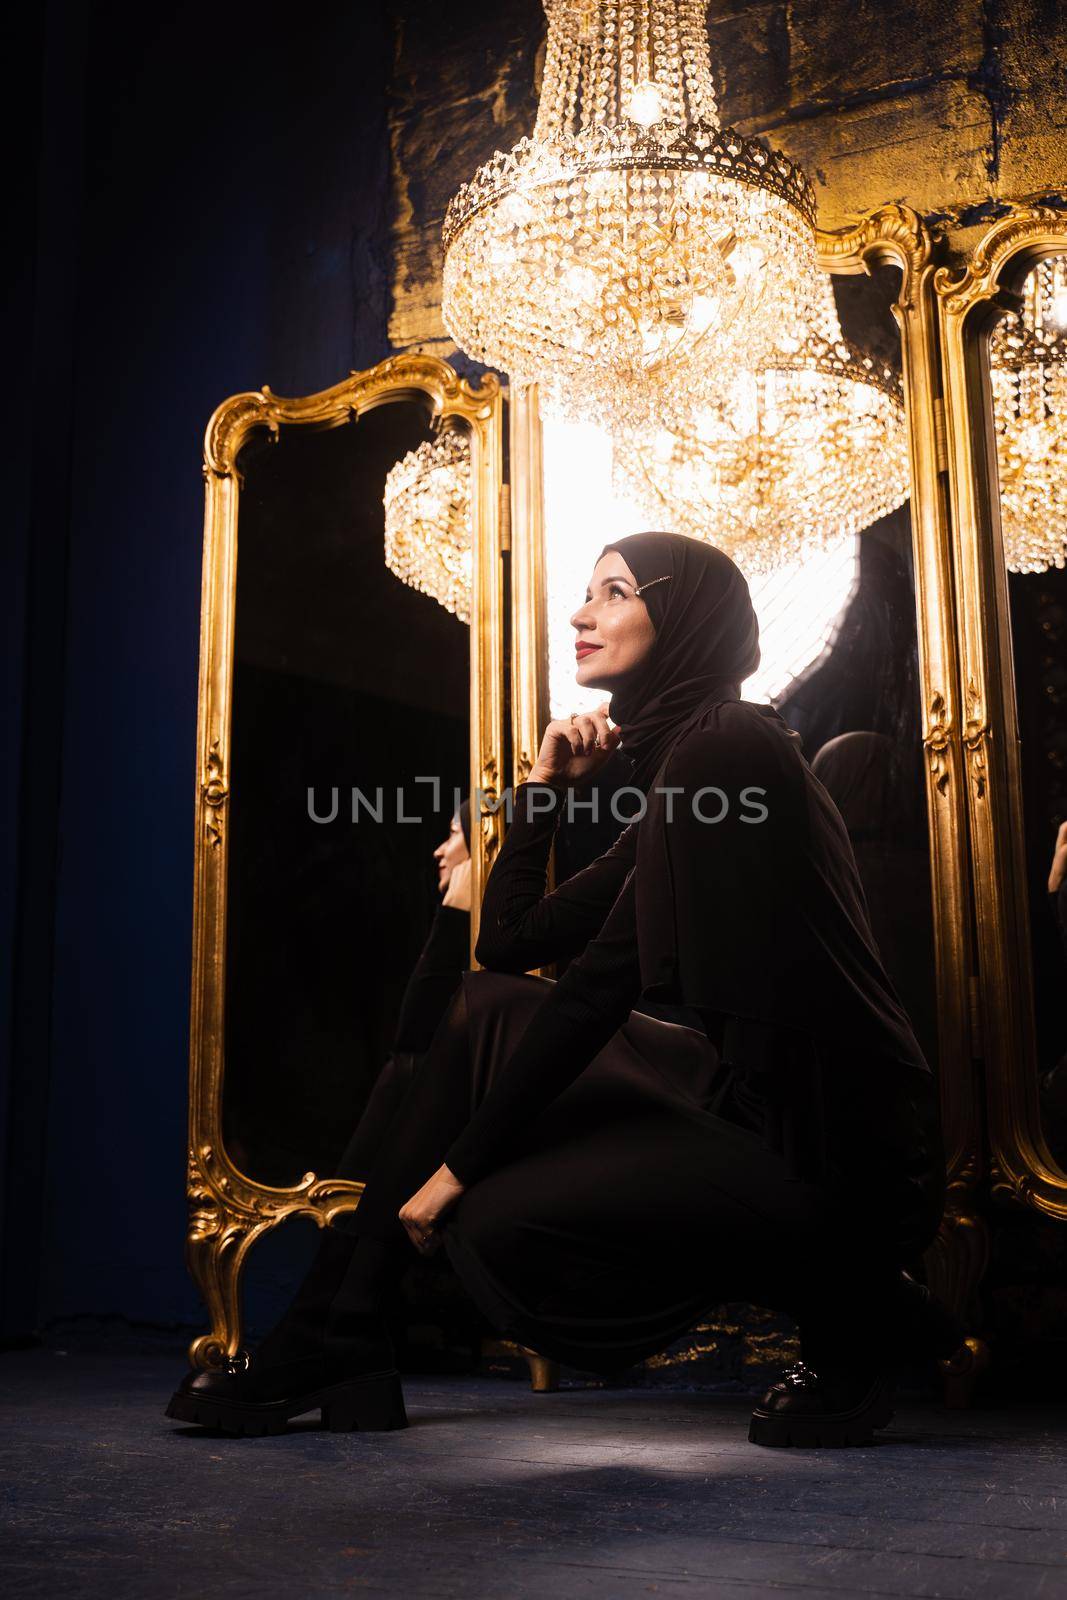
[(633, 250), (802, 453), (428, 520), (1028, 370)]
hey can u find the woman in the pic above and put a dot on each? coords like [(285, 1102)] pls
[(601, 1177)]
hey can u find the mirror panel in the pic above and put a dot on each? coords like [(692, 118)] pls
[(997, 408), (348, 686), (1027, 356)]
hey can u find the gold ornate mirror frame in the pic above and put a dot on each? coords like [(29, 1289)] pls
[(228, 1210), (896, 236), (969, 301)]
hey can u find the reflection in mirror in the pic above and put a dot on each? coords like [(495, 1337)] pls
[(805, 483), (1028, 379), (349, 686)]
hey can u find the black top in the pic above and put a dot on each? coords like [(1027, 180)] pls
[(590, 918)]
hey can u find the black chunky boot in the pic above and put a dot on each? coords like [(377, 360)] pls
[(330, 1353), (842, 1407), (839, 1394)]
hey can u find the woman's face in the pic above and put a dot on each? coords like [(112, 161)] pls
[(615, 631), (449, 853)]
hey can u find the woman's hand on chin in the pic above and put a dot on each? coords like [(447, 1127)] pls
[(423, 1212), (1058, 870), (573, 751)]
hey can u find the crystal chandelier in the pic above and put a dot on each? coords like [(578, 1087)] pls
[(802, 453), (428, 520), (633, 250), (1028, 370)]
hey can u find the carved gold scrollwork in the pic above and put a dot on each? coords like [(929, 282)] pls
[(975, 735), (227, 1214), (938, 743), (959, 289), (957, 1260), (892, 233), (1007, 1186), (214, 792), (492, 818)]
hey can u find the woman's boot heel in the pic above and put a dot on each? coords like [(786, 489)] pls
[(374, 1405)]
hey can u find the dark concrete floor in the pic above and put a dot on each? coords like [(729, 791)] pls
[(496, 1493)]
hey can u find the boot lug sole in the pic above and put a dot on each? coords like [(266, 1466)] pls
[(374, 1404), (847, 1429)]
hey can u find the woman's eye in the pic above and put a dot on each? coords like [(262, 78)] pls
[(615, 590)]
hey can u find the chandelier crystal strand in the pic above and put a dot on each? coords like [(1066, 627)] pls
[(428, 529), (1028, 371), (801, 454), (632, 252)]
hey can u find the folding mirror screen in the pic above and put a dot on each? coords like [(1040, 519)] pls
[(906, 599)]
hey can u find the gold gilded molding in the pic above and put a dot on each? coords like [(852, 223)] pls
[(227, 1214), (976, 734), (969, 301), (529, 626), (956, 1261), (1031, 231), (229, 1210), (894, 234), (937, 742), (214, 792)]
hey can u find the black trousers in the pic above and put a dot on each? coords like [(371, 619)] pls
[(629, 1208)]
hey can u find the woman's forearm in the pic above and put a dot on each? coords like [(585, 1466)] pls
[(521, 926), (589, 1004)]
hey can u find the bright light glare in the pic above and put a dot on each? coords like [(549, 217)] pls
[(581, 514), (644, 104), (797, 606)]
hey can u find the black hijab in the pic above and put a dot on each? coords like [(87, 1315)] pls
[(464, 815), (748, 915), (706, 645)]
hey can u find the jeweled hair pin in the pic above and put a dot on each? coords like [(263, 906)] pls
[(641, 587)]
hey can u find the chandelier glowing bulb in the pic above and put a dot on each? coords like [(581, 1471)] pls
[(804, 452), (1028, 370), (632, 251), (428, 527)]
